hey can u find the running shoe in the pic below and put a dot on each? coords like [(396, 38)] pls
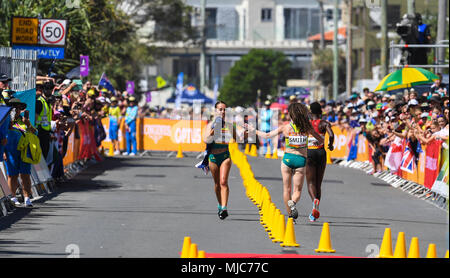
[(315, 210), (294, 212), (312, 218), (223, 214), (28, 203)]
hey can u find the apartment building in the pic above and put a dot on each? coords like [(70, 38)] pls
[(233, 27)]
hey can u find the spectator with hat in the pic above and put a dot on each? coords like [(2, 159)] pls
[(130, 127), (4, 85), (14, 164), (114, 118)]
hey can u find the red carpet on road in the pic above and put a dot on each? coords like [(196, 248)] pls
[(247, 255)]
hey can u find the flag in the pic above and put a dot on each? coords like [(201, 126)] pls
[(216, 89), (84, 65), (432, 162), (179, 89), (130, 87), (105, 83), (408, 160), (148, 97), (394, 155), (353, 147), (160, 82), (440, 185)]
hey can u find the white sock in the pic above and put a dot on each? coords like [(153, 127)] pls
[(27, 200)]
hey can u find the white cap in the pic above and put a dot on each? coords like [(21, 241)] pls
[(413, 102), (66, 82), (424, 115)]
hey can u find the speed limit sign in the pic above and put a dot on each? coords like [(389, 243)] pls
[(52, 31)]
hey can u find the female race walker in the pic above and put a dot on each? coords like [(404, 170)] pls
[(294, 159), (219, 156), (317, 158)]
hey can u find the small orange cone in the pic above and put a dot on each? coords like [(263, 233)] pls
[(247, 149), (414, 248), (386, 245), (325, 240), (275, 154), (400, 246), (431, 253), (253, 150), (201, 254), (111, 150), (186, 247), (289, 236), (268, 153), (179, 153), (193, 253), (281, 229), (274, 225), (329, 158)]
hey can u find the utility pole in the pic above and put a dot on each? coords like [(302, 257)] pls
[(322, 35), (349, 81), (203, 45), (412, 7), (441, 31), (384, 39), (335, 50)]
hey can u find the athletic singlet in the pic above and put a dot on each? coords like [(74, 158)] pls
[(313, 143), (224, 143), (295, 140)]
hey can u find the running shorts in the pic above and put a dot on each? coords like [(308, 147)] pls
[(317, 157)]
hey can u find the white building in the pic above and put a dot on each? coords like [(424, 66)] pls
[(233, 27)]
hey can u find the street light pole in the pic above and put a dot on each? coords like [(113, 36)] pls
[(335, 50), (384, 39), (203, 45)]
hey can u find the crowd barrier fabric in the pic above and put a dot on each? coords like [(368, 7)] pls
[(162, 135), (429, 168)]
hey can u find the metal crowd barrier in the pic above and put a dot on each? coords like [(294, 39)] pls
[(412, 188)]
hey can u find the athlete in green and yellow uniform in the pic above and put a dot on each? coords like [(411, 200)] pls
[(294, 159), (219, 157)]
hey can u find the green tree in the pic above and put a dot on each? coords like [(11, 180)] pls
[(323, 62), (102, 30), (263, 70)]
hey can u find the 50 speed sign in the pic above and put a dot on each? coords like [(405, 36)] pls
[(53, 32)]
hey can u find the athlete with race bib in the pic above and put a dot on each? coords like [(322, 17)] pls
[(294, 159)]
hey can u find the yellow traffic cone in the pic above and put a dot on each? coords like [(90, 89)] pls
[(268, 217), (268, 153), (289, 236), (446, 255), (274, 233), (329, 158), (431, 253), (325, 240), (414, 248), (111, 150), (400, 246), (201, 254), (247, 149), (386, 245), (275, 154), (253, 150), (186, 247), (193, 253), (179, 153), (274, 225), (281, 229)]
